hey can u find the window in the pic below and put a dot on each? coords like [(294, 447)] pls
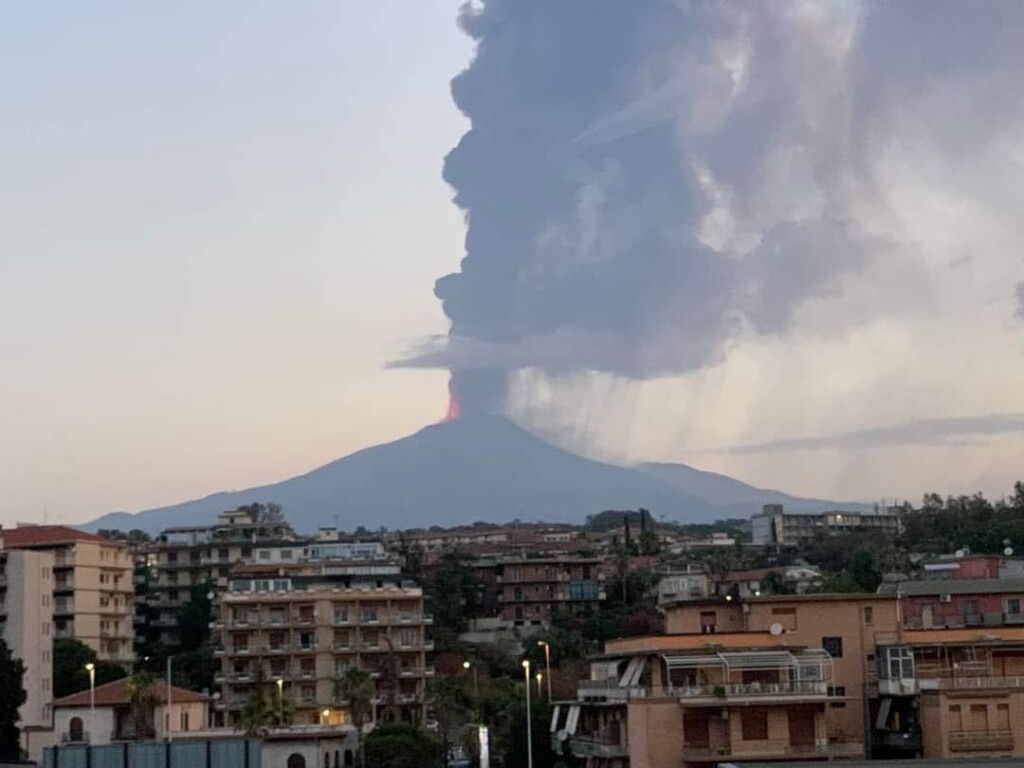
[(75, 732), (295, 760), (869, 615), (754, 725), (517, 594), (837, 690), (833, 646), (184, 721), (970, 607), (1013, 606), (264, 554), (286, 554), (707, 622)]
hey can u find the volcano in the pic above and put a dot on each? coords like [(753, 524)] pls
[(478, 468)]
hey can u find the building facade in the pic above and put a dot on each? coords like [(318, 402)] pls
[(528, 592), (93, 589), (776, 527), (300, 628), (198, 556), (26, 626), (957, 602)]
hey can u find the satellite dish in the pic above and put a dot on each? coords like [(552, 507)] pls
[(1008, 551), (775, 629), (959, 554)]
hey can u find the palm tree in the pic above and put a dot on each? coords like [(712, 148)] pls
[(265, 710), (356, 689), (143, 700)]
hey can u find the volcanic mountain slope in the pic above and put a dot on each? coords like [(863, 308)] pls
[(479, 468)]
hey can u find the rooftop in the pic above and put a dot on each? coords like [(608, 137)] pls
[(952, 587), (694, 642), (969, 636), (45, 535), (119, 693)]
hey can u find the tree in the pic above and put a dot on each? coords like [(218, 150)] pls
[(143, 700), (12, 697), (447, 699), (266, 709), (398, 745), (69, 673), (356, 689)]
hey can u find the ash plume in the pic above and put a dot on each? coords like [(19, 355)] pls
[(646, 182)]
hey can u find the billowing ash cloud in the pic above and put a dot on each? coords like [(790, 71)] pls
[(646, 181)]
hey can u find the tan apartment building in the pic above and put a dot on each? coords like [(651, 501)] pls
[(300, 627), (26, 625), (92, 588), (185, 557)]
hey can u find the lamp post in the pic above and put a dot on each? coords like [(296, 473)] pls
[(280, 699), (476, 686), (91, 669), (170, 720), (540, 680), (529, 721), (547, 660)]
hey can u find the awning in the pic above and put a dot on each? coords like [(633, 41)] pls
[(554, 717), (632, 674), (572, 720)]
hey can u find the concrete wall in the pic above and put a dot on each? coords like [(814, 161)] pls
[(98, 731), (655, 734)]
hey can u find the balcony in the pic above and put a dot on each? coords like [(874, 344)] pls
[(969, 683), (902, 686), (772, 750), (980, 741), (597, 746)]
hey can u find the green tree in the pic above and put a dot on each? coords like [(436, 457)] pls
[(12, 697), (266, 709), (143, 700), (355, 689), (69, 673), (398, 745)]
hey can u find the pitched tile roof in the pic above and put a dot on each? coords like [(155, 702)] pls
[(119, 692), (41, 535)]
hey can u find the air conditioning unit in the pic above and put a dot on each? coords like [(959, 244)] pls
[(946, 598)]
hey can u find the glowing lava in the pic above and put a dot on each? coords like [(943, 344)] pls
[(453, 402)]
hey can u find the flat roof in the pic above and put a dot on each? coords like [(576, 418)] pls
[(929, 587), (970, 635), (695, 641)]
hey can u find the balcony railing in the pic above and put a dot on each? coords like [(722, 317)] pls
[(610, 689), (980, 741), (773, 750), (598, 746), (969, 683)]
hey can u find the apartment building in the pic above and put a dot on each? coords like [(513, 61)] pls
[(774, 526), (529, 591), (93, 592), (951, 693), (186, 557), (26, 626), (301, 626), (956, 602), (681, 701)]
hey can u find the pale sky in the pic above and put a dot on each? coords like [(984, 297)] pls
[(220, 221)]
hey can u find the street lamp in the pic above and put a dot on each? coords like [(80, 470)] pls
[(529, 721), (540, 679), (280, 697), (547, 659), (326, 717), (91, 669), (476, 685), (170, 720)]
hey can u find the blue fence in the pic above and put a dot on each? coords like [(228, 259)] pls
[(226, 753)]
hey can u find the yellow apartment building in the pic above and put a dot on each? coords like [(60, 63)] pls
[(92, 587), (300, 627)]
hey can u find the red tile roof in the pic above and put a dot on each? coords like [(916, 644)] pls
[(119, 692), (42, 535)]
